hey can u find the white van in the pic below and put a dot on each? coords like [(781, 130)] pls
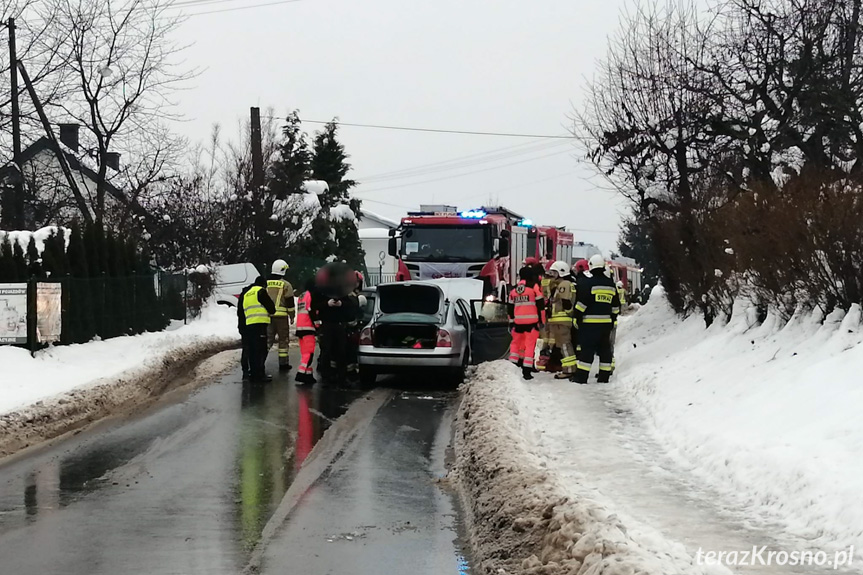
[(230, 281)]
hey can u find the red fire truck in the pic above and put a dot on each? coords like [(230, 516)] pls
[(489, 243)]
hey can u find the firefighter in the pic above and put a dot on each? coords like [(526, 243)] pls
[(560, 322), (282, 294), (596, 309), (547, 285), (306, 333), (621, 293), (527, 313), (253, 314)]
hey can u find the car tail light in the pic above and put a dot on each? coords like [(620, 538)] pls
[(444, 339), (366, 337)]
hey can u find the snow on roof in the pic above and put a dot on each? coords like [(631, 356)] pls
[(40, 235), (366, 214), (374, 234)]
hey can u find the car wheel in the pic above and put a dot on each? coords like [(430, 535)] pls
[(460, 373), (368, 376)]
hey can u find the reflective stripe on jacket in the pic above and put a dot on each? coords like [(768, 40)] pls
[(524, 301), (252, 308), (304, 318), (276, 290)]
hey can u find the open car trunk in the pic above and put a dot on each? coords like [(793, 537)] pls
[(406, 335)]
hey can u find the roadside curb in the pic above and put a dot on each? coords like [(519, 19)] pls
[(128, 391)]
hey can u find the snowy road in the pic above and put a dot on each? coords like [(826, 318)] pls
[(601, 451)]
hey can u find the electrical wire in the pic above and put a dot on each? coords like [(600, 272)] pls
[(452, 160), (461, 175), (237, 8), (433, 130), (457, 164)]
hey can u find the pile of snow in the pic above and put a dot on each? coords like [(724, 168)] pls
[(22, 238), (522, 517), (60, 369), (766, 414)]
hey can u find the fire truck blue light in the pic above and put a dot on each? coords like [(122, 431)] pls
[(474, 214)]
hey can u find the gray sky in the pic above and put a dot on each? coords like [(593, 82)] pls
[(503, 66)]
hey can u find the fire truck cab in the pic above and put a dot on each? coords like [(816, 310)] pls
[(489, 243)]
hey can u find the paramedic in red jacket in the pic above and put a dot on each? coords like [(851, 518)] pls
[(306, 333), (527, 314)]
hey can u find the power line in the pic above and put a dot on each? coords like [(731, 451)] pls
[(243, 7), (434, 130), (461, 175), (466, 162)]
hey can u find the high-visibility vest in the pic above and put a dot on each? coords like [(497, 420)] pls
[(524, 300), (255, 313), (276, 290), (304, 320)]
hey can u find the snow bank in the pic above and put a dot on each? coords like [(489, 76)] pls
[(522, 518), (40, 235), (766, 414), (56, 370)]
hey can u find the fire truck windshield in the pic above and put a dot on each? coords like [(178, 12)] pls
[(446, 244)]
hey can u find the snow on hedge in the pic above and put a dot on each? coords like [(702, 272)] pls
[(57, 370), (768, 415), (40, 236)]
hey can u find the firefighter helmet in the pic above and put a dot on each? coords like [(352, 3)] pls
[(582, 266), (560, 267), (619, 284), (596, 261), (280, 267)]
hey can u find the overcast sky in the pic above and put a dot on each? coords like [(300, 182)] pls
[(503, 66)]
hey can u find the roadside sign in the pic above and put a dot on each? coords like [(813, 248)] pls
[(49, 301), (13, 313)]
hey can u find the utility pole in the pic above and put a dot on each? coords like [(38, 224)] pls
[(13, 205), (258, 183), (257, 151)]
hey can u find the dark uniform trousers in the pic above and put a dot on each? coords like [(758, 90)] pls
[(254, 338), (594, 339)]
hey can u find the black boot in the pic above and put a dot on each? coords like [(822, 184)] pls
[(527, 373), (580, 377)]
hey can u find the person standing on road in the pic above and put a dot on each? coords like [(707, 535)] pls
[(282, 294), (306, 334), (547, 285), (596, 309), (254, 309), (560, 322), (527, 313)]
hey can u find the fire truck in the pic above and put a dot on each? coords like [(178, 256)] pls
[(489, 243)]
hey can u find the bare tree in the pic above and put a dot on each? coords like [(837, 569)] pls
[(125, 65)]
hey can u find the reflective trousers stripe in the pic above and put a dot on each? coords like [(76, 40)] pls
[(597, 319), (583, 366), (606, 367), (580, 307)]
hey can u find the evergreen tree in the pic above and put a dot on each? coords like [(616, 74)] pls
[(34, 260), (8, 270), (330, 164), (635, 242), (20, 259)]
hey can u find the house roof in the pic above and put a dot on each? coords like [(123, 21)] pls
[(44, 144), (378, 219)]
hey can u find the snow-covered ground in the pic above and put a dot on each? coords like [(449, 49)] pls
[(25, 380), (767, 415), (725, 439)]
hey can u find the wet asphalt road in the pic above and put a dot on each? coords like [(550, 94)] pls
[(188, 488)]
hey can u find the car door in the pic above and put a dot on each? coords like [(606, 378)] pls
[(490, 337)]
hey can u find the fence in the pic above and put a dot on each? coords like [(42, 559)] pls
[(76, 310), (376, 278)]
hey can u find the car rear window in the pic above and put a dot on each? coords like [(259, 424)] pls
[(409, 299)]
